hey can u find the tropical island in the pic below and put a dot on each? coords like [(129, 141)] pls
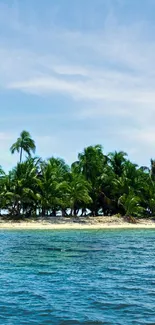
[(96, 189)]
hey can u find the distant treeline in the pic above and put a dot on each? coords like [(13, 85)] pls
[(94, 184)]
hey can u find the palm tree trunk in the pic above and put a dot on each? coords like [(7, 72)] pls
[(21, 154), (43, 212)]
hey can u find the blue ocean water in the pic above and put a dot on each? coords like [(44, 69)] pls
[(77, 277)]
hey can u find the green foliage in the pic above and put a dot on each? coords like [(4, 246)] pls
[(23, 143), (95, 183), (117, 161), (131, 205), (76, 191)]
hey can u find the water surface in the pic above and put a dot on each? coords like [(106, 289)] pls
[(77, 277)]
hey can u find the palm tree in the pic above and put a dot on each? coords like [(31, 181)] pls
[(131, 204), (53, 173), (117, 161), (152, 172), (75, 191), (92, 163), (98, 183), (24, 184), (23, 143)]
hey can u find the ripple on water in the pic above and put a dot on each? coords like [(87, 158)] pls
[(77, 277)]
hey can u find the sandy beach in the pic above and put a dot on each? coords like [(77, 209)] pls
[(77, 223)]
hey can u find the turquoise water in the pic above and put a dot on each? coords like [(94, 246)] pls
[(77, 277)]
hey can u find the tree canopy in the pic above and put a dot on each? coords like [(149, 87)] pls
[(95, 184), (23, 143)]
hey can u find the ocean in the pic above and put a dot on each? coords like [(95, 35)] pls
[(74, 277)]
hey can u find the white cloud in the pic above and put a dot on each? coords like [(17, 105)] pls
[(111, 72), (123, 70), (70, 70)]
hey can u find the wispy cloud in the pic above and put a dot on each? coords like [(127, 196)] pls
[(123, 69), (108, 73)]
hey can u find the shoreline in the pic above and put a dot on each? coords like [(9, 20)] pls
[(89, 223)]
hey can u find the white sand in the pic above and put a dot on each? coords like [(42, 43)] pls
[(78, 223)]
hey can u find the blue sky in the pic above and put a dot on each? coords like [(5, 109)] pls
[(78, 72)]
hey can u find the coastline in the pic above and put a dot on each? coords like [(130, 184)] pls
[(88, 223)]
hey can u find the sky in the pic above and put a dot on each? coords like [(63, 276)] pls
[(76, 73)]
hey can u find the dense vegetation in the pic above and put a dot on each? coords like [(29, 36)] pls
[(95, 184)]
